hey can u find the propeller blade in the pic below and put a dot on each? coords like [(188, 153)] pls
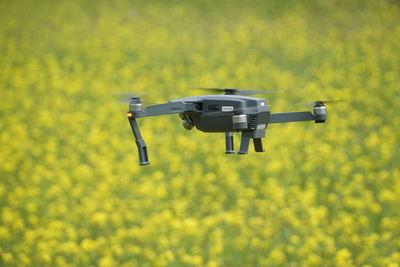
[(215, 90), (233, 91), (320, 102), (256, 92), (124, 97)]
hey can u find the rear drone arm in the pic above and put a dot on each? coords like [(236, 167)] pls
[(318, 116), (136, 111), (291, 117)]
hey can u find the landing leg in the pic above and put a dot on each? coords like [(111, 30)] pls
[(244, 144), (142, 149), (258, 146), (229, 143)]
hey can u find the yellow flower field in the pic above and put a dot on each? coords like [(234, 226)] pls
[(72, 192)]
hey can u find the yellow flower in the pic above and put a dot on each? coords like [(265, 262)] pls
[(72, 193), (277, 256), (106, 261), (343, 258)]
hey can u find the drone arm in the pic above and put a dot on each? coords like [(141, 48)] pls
[(136, 111), (163, 109), (292, 117)]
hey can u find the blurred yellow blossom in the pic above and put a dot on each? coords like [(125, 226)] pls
[(72, 193)]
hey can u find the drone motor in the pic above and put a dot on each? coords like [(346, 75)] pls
[(320, 113), (135, 104)]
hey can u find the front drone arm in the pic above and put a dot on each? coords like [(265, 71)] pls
[(136, 111), (162, 109)]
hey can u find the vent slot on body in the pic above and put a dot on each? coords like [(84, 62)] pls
[(253, 121)]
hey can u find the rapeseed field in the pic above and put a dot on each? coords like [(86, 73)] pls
[(72, 192)]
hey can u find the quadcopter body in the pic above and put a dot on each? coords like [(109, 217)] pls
[(221, 113), (228, 113)]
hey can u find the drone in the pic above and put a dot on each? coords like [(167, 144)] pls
[(235, 111)]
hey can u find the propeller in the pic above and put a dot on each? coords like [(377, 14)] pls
[(232, 91), (125, 98), (320, 102)]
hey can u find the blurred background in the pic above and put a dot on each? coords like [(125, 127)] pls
[(72, 192)]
